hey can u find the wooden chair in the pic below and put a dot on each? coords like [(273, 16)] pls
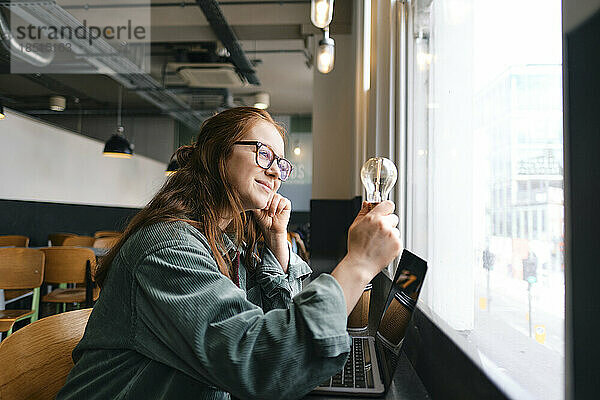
[(17, 241), (106, 242), (72, 265), (101, 234), (40, 356), (57, 239), (14, 240), (20, 268), (83, 241)]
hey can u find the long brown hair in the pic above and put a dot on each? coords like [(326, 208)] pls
[(199, 192)]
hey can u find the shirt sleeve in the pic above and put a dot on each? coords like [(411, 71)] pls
[(277, 287), (191, 317)]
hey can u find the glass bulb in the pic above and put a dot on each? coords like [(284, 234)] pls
[(378, 176), (325, 56), (321, 12)]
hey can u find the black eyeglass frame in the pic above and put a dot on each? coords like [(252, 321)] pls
[(275, 156)]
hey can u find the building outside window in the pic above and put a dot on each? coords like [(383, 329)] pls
[(486, 183)]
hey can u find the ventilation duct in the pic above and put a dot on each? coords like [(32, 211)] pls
[(208, 75), (11, 44)]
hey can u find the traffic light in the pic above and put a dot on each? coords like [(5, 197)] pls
[(488, 260), (530, 269)]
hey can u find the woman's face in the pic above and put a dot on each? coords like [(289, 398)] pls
[(255, 185)]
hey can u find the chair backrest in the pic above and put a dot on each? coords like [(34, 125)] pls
[(57, 239), (84, 241), (100, 234), (21, 268), (38, 356), (106, 242), (67, 264), (14, 240)]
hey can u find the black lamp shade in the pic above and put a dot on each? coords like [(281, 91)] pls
[(117, 146), (2, 115), (172, 167)]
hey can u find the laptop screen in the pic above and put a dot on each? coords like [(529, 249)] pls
[(400, 304)]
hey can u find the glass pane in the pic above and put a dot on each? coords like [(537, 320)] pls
[(487, 198)]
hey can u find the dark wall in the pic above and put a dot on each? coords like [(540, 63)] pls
[(329, 223), (582, 182), (37, 219)]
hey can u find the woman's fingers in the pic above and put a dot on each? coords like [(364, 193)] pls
[(375, 237), (283, 205), (384, 208), (274, 204), (391, 220)]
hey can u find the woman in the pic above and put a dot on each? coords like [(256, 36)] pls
[(202, 297)]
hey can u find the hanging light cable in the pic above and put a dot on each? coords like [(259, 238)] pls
[(118, 146), (325, 53)]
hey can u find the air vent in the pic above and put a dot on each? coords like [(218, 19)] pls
[(207, 75)]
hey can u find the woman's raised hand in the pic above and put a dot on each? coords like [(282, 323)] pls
[(373, 238), (373, 242)]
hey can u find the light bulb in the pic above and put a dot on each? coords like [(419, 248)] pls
[(326, 54), (378, 176), (321, 12)]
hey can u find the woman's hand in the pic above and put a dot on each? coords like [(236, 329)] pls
[(373, 242), (273, 221), (373, 237)]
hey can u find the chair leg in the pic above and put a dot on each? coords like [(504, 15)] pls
[(58, 308), (64, 307), (35, 304), (9, 332)]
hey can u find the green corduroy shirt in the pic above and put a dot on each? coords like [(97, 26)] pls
[(169, 325)]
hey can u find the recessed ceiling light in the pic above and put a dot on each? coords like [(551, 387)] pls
[(58, 103)]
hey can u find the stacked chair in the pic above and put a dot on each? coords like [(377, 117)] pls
[(82, 241), (70, 265), (106, 242), (57, 239), (101, 234), (20, 268), (14, 240)]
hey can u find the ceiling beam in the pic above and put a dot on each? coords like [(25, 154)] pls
[(225, 34)]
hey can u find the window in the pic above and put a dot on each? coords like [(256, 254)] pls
[(485, 182)]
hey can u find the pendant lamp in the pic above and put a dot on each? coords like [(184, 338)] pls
[(118, 146), (325, 53), (172, 167)]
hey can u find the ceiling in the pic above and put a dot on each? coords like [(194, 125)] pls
[(275, 36)]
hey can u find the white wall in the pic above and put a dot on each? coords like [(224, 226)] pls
[(333, 125), (40, 162)]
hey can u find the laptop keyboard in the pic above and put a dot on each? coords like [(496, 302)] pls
[(357, 373)]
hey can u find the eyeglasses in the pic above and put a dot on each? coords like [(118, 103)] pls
[(265, 156)]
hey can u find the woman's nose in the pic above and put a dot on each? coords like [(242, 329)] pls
[(274, 170)]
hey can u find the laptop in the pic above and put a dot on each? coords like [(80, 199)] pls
[(373, 360)]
